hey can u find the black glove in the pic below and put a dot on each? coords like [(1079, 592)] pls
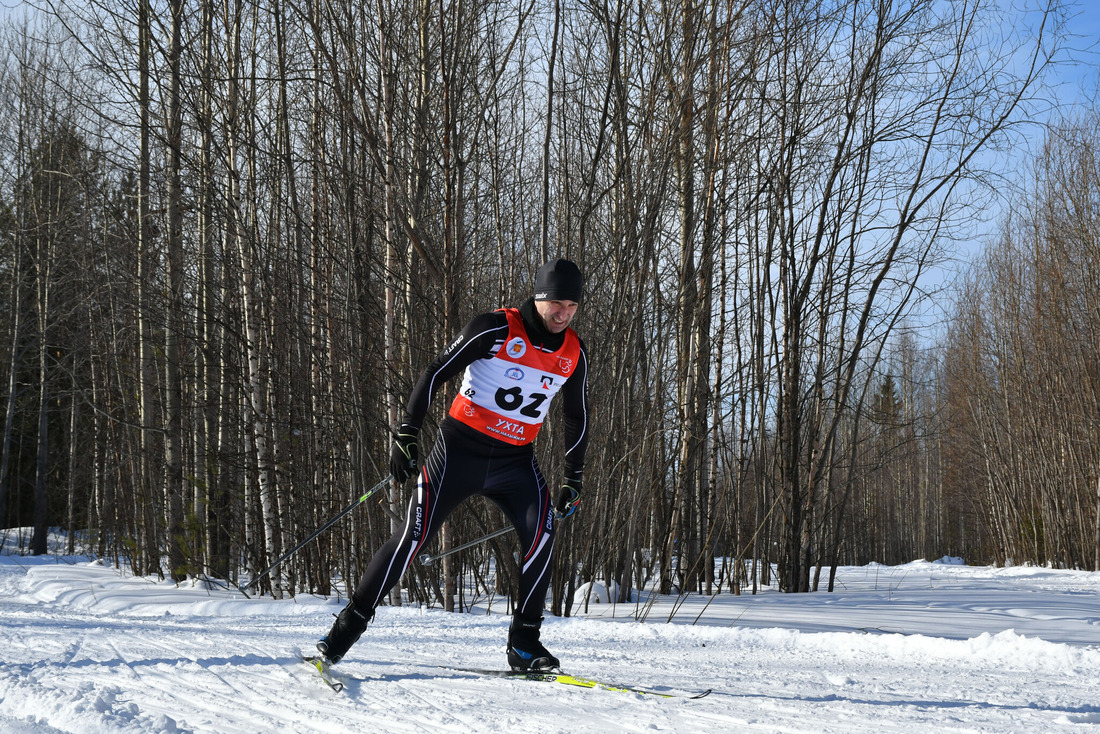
[(569, 496), (404, 454)]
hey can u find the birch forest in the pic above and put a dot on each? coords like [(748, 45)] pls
[(233, 233)]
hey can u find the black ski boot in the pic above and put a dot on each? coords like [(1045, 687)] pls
[(349, 624), (525, 652)]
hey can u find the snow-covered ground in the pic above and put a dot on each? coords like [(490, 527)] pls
[(924, 647)]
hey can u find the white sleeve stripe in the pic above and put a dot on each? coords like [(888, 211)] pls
[(431, 385), (584, 404)]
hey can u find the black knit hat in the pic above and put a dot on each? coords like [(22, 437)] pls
[(559, 280)]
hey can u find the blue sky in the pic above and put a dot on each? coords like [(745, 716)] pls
[(1078, 81)]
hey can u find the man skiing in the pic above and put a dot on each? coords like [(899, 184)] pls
[(514, 362)]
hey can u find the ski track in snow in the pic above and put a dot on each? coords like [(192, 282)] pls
[(917, 648)]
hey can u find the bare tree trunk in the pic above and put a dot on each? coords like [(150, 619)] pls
[(206, 380), (146, 558), (548, 133), (44, 257), (393, 263), (71, 528), (15, 360), (174, 317), (452, 243), (256, 416)]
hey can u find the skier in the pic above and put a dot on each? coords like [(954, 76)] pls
[(514, 361)]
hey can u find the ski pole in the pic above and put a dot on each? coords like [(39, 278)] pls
[(428, 560), (320, 530)]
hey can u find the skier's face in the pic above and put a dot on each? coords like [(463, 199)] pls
[(556, 315)]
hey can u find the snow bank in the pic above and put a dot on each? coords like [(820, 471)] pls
[(924, 647)]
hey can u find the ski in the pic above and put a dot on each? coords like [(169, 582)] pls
[(551, 676), (319, 664), (330, 679)]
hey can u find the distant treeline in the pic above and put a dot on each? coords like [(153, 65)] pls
[(232, 234)]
